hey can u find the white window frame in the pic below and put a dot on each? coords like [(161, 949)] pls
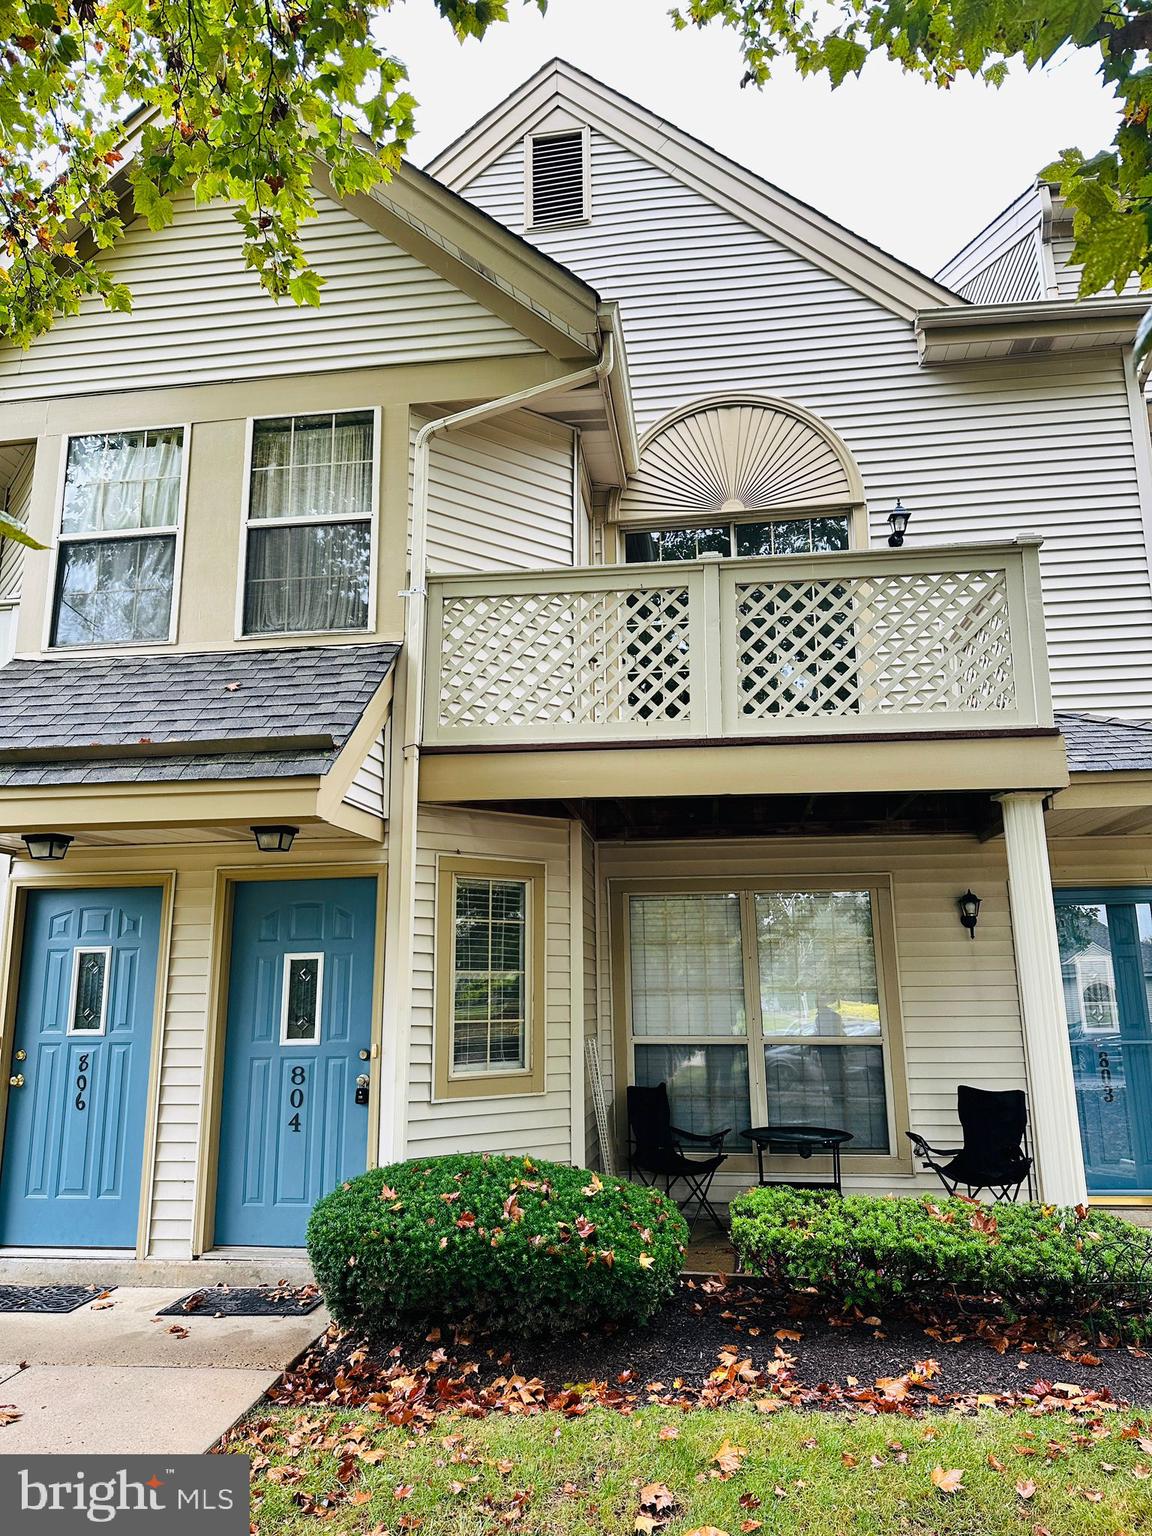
[(318, 957), (247, 522), (74, 990), (523, 1068), (176, 532), (746, 887), (586, 162)]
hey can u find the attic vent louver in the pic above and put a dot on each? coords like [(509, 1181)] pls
[(557, 183)]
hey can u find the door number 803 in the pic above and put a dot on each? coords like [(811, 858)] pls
[(296, 1096)]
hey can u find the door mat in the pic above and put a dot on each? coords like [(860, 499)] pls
[(246, 1301), (49, 1298)]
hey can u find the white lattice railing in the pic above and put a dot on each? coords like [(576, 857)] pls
[(874, 641)]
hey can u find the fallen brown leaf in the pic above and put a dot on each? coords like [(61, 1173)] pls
[(948, 1480)]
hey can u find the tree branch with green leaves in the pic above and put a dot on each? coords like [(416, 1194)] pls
[(109, 111), (1108, 193)]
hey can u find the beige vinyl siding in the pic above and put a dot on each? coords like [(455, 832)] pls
[(1004, 259), (1010, 278), (20, 466), (535, 1124), (368, 790), (500, 496), (712, 305), (199, 315), (958, 997), (588, 900)]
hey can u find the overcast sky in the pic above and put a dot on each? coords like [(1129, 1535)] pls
[(914, 169)]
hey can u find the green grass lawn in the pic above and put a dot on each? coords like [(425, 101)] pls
[(801, 1473)]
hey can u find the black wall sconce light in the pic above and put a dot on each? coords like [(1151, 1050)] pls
[(274, 839), (46, 845), (969, 905), (898, 520)]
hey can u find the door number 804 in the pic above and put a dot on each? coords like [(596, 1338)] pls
[(296, 1097)]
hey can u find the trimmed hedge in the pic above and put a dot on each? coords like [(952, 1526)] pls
[(500, 1242), (861, 1251)]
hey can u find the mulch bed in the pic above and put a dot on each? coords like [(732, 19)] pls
[(719, 1341)]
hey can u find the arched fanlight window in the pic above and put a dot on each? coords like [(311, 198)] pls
[(741, 476)]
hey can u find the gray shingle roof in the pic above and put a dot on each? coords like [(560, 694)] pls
[(1099, 744), (78, 719)]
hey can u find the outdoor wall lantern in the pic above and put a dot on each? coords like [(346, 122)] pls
[(274, 839), (46, 845), (969, 905), (898, 522)]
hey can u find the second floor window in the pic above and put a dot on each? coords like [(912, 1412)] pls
[(309, 534), (777, 536), (116, 563)]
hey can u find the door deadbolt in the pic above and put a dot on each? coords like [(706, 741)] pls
[(21, 1055), (16, 1080)]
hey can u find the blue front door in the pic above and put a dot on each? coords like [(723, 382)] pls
[(1106, 961), (74, 1134), (299, 1035)]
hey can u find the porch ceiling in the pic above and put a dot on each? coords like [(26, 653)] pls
[(639, 818)]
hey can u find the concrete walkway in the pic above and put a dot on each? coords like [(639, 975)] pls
[(113, 1378)]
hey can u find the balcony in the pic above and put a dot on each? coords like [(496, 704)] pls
[(873, 645)]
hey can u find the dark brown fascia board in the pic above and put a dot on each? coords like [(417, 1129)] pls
[(222, 746)]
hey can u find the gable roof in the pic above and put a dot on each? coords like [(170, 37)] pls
[(203, 715), (845, 255)]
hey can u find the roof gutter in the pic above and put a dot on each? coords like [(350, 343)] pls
[(404, 793)]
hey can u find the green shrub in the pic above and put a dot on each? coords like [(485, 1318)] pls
[(873, 1253), (503, 1242)]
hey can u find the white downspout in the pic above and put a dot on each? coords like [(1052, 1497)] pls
[(404, 796)]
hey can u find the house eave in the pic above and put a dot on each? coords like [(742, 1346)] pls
[(986, 332)]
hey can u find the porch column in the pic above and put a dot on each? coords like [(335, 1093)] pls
[(1052, 1093)]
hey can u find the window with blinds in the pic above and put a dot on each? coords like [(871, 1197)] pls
[(759, 1006), (557, 191)]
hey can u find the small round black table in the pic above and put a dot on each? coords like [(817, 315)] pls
[(803, 1140)]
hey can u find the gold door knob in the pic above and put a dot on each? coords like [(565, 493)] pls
[(16, 1081)]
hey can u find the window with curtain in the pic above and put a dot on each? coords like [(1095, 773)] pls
[(310, 511), (775, 536), (116, 559), (807, 1044)]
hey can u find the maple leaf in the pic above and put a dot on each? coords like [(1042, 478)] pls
[(9, 1413), (403, 1491), (594, 1186), (584, 1226), (657, 1499), (1093, 1495), (894, 1388), (706, 1530), (729, 1457), (668, 1432), (465, 1220), (646, 1261), (947, 1481), (788, 1333), (1025, 1487), (361, 1496)]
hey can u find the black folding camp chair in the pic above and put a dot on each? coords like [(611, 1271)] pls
[(994, 1123), (656, 1151)]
